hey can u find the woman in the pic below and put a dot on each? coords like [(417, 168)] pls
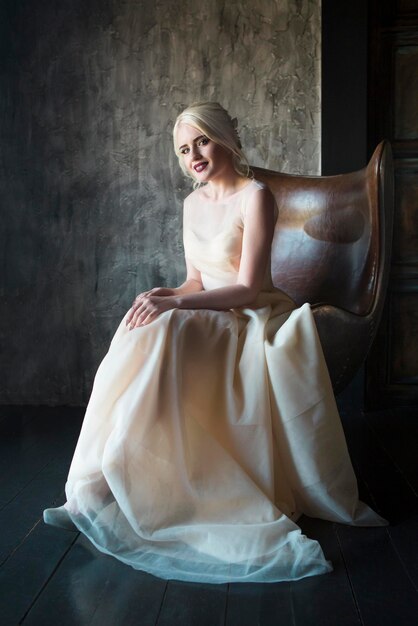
[(212, 424)]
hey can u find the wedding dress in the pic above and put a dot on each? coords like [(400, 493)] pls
[(208, 433)]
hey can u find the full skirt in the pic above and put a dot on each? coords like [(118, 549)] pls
[(208, 433)]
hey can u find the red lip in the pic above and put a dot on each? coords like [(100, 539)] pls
[(199, 167)]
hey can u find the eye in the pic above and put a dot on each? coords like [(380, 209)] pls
[(184, 150), (203, 142)]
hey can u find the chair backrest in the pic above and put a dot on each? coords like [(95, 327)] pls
[(329, 235)]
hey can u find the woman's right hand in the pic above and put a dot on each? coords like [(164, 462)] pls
[(156, 291)]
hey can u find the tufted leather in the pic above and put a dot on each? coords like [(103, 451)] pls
[(331, 248)]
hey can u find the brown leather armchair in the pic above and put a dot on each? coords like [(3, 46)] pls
[(332, 249)]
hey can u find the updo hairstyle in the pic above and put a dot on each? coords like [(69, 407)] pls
[(215, 122)]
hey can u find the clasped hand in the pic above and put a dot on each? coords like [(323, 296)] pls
[(149, 305)]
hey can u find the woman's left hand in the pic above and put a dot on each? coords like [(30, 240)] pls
[(147, 307)]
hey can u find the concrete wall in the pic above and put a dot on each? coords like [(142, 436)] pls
[(90, 192)]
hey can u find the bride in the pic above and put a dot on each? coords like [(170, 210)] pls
[(212, 425)]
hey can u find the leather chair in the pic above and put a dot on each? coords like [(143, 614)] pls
[(332, 249)]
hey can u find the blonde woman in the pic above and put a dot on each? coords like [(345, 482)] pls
[(212, 424)]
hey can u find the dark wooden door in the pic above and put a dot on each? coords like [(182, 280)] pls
[(392, 368)]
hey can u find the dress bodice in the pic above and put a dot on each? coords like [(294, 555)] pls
[(213, 234)]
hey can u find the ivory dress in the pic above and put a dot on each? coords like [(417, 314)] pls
[(208, 433)]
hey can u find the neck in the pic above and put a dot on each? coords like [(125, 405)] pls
[(225, 186)]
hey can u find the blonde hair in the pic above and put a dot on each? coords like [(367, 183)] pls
[(216, 123)]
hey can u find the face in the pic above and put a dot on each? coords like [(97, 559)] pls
[(204, 159)]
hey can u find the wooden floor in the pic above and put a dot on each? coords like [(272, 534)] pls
[(51, 576)]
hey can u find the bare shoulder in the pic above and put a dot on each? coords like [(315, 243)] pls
[(193, 197), (189, 204), (260, 188), (260, 198)]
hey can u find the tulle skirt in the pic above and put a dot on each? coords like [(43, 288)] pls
[(208, 433)]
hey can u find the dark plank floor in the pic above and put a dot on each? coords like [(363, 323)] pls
[(51, 576)]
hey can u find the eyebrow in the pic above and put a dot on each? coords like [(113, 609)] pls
[(194, 141)]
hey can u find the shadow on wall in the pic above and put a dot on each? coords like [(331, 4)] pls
[(91, 191)]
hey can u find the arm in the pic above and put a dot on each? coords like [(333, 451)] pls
[(258, 235), (192, 284)]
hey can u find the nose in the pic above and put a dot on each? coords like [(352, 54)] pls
[(194, 152)]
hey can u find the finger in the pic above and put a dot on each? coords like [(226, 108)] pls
[(145, 308), (129, 317), (131, 313), (148, 317), (136, 316), (135, 304), (148, 312)]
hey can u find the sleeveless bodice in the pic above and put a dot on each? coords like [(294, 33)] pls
[(213, 233)]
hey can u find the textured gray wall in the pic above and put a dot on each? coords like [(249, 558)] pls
[(90, 190)]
